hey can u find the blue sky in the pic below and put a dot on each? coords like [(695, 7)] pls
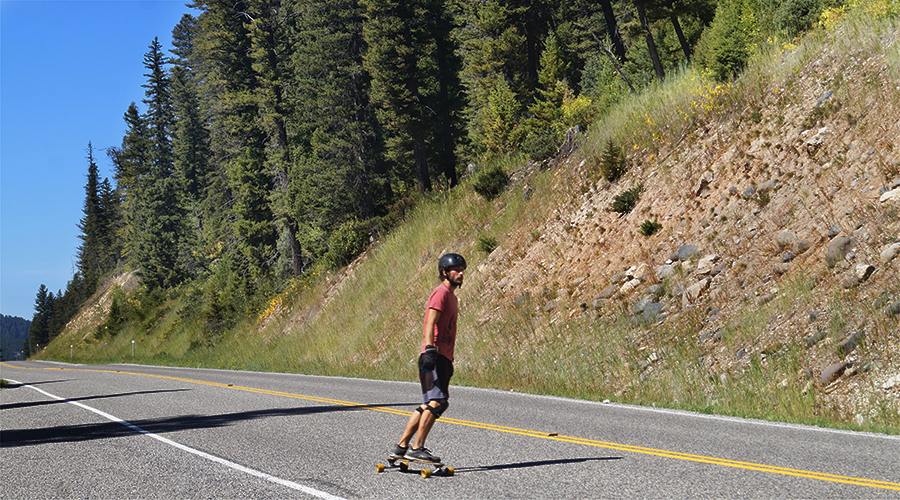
[(68, 71)]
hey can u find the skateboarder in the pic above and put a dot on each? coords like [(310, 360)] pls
[(435, 360)]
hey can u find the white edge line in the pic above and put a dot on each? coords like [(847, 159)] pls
[(201, 454)]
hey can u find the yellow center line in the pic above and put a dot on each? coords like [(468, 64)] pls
[(525, 432)]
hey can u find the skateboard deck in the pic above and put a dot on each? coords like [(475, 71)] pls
[(403, 464)]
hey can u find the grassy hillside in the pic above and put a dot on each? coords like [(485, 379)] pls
[(774, 189)]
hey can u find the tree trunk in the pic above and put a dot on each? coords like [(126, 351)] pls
[(421, 158), (677, 25), (447, 153), (651, 45), (615, 63), (613, 28)]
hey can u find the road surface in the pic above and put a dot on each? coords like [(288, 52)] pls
[(127, 431)]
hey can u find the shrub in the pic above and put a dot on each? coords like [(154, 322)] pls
[(486, 244), (797, 16), (624, 202), (541, 144), (498, 121), (612, 162), (725, 47), (490, 182), (345, 243), (649, 228)]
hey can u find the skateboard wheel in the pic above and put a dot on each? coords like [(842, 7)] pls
[(379, 467), (404, 466), (450, 471), (426, 473)]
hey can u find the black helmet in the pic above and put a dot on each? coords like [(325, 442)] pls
[(450, 260)]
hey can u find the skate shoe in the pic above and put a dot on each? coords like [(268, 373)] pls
[(422, 453), (399, 451)]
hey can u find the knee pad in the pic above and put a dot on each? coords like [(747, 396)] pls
[(438, 410)]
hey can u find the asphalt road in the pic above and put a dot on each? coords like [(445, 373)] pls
[(126, 431)]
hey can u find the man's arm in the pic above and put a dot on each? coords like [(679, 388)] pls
[(430, 320)]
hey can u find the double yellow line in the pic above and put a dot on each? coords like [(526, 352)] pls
[(535, 434)]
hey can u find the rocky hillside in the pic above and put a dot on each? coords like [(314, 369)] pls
[(796, 188)]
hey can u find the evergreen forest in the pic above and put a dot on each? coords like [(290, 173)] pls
[(279, 138)]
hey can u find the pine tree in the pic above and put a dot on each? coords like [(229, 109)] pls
[(132, 160), (339, 173), (448, 103), (500, 118), (160, 117), (154, 219), (237, 138), (504, 40), (110, 225), (90, 252), (399, 57), (190, 137), (725, 46), (39, 333)]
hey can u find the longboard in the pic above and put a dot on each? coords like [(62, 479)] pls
[(403, 464)]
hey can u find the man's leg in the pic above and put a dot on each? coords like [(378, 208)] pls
[(412, 426), (426, 422)]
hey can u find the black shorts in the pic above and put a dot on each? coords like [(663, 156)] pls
[(436, 383)]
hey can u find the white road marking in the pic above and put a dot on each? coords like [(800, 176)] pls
[(268, 477)]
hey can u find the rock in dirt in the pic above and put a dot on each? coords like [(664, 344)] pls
[(837, 249), (832, 372), (889, 252)]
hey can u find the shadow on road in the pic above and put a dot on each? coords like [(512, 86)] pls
[(537, 463), (16, 386), (13, 406), (520, 465), (106, 430)]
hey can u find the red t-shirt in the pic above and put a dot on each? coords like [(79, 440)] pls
[(443, 300)]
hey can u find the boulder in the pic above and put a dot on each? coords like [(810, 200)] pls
[(864, 271), (889, 252), (608, 292), (893, 309), (706, 264), (781, 268), (837, 249), (619, 277), (638, 271), (832, 372), (892, 195), (767, 186), (785, 238), (849, 344), (664, 271), (629, 286), (801, 246), (653, 312), (685, 252), (693, 292), (642, 304)]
